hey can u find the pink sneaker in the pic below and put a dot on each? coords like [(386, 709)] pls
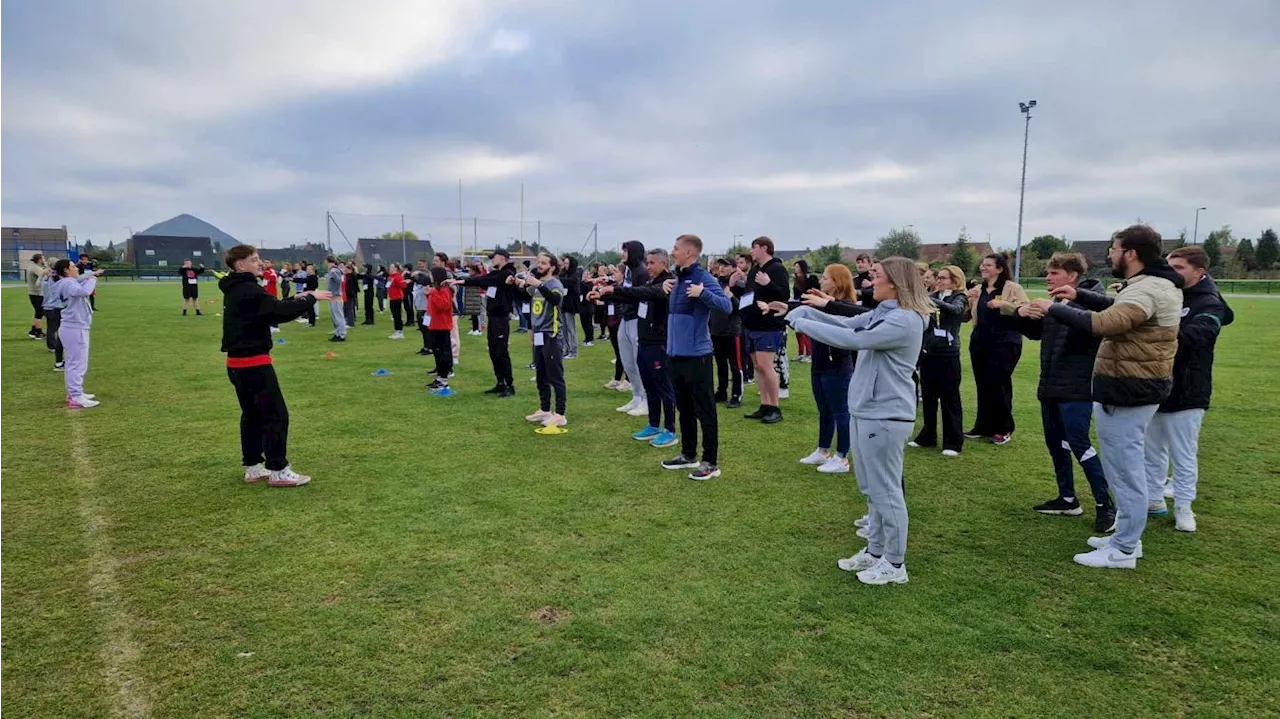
[(554, 420), (81, 402), (539, 416), (256, 473), (287, 478)]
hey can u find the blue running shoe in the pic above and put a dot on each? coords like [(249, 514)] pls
[(664, 439), (1157, 509), (646, 434)]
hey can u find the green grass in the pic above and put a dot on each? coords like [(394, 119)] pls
[(448, 561)]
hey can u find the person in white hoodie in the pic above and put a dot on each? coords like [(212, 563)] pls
[(73, 291), (882, 405)]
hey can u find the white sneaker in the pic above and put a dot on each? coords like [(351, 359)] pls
[(640, 410), (1108, 558), (81, 402), (816, 457), (950, 453), (862, 521), (627, 407), (256, 473), (858, 562), (882, 572), (863, 532), (1168, 487), (784, 394), (555, 420), (287, 478), (275, 330), (396, 336), (1105, 543), (623, 386), (611, 384), (538, 416), (912, 443), (1184, 520), (835, 465)]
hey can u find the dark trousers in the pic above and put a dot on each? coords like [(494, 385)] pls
[(993, 365), (52, 321), (748, 366), (548, 364), (588, 327), (93, 301), (264, 418), (311, 314), (475, 323), (285, 290), (442, 348), (499, 352), (655, 375), (368, 306), (426, 336), (831, 393), (696, 401), (410, 317), (382, 298), (349, 311), (728, 354), (619, 371), (1066, 433), (397, 307), (602, 319), (940, 385)]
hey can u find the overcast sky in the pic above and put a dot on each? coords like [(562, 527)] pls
[(804, 121)]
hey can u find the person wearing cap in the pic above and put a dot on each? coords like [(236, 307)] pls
[(498, 300)]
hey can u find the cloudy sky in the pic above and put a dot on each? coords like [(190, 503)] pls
[(804, 121)]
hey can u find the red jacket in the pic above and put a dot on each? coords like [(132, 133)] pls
[(395, 286), (440, 308), (271, 278)]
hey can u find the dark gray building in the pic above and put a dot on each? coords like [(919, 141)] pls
[(309, 251), (18, 244), (162, 251), (384, 252)]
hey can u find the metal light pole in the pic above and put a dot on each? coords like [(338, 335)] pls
[(1025, 107), (1195, 237)]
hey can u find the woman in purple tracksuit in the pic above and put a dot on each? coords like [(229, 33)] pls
[(77, 316)]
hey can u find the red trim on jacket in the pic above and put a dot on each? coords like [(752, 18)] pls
[(245, 362)]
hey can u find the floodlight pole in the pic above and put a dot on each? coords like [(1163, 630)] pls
[(404, 243), (1195, 238), (328, 235), (1025, 108)]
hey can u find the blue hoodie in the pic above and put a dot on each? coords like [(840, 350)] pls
[(688, 330)]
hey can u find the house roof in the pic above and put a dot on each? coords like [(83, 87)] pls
[(941, 251), (1095, 251), (849, 254), (33, 235), (190, 226), (391, 250), (788, 255)]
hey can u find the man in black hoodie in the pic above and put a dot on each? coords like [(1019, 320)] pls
[(499, 294), (766, 282), (726, 338), (571, 278), (634, 274), (1174, 433), (1065, 393), (862, 281), (247, 316)]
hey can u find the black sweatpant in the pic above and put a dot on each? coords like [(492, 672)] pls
[(52, 321), (397, 306), (728, 354), (696, 405), (548, 363), (993, 365), (368, 306), (499, 335), (264, 418), (311, 314), (940, 384), (443, 351), (426, 337), (744, 357), (619, 371), (588, 324)]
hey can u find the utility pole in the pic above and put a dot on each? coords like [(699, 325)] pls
[(1195, 238), (404, 244), (1025, 108), (328, 234)]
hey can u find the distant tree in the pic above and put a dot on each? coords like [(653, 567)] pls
[(1223, 236), (100, 254), (737, 249), (401, 235), (1213, 249), (1246, 255), (609, 257), (899, 243), (826, 255), (1268, 250), (1044, 246), (963, 255), (1032, 265), (87, 248)]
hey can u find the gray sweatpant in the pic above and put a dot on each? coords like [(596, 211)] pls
[(878, 445), (628, 347), (569, 340), (1122, 433), (339, 318), (1173, 436)]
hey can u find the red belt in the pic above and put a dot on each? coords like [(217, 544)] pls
[(243, 362)]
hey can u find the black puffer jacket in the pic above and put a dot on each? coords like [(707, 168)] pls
[(726, 324), (948, 318), (636, 274), (1204, 314), (1066, 354), (652, 328), (572, 281)]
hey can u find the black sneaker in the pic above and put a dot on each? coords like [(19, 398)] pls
[(494, 389), (1104, 520), (773, 416), (734, 403), (973, 434), (758, 414), (680, 462), (507, 391), (1060, 507), (722, 396), (184, 313), (32, 334), (199, 313), (436, 384), (336, 338), (424, 352), (705, 471)]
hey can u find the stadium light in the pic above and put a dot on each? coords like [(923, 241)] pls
[(1025, 108)]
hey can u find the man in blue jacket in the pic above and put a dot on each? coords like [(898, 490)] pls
[(691, 296)]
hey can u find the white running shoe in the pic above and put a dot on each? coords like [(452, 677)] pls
[(396, 336), (90, 396), (81, 402), (950, 453), (913, 444), (275, 330), (816, 457), (1105, 543), (1108, 558), (1184, 520), (784, 394), (882, 572), (640, 410), (287, 478), (611, 384), (1168, 487), (858, 562), (863, 521), (835, 465), (623, 386), (256, 473), (538, 416), (863, 533), (627, 407), (555, 420)]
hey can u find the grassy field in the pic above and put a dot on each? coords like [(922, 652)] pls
[(448, 561)]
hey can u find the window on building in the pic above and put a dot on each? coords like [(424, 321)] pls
[(150, 253), (197, 253), (377, 256), (163, 263)]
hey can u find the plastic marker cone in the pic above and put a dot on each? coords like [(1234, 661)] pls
[(281, 341), (551, 429), (444, 392), (330, 355), (382, 373)]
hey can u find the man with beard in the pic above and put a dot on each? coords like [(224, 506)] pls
[(499, 298)]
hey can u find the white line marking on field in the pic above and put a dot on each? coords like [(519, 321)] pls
[(121, 653)]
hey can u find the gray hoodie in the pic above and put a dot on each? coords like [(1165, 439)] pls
[(333, 282), (75, 291), (888, 341), (547, 300), (49, 293)]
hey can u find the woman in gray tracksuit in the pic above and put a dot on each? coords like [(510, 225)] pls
[(882, 405)]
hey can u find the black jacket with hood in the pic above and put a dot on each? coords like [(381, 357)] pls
[(249, 312), (635, 275), (652, 328), (778, 290), (1067, 354), (810, 281), (572, 281), (500, 306), (1204, 314), (726, 324), (942, 335)]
